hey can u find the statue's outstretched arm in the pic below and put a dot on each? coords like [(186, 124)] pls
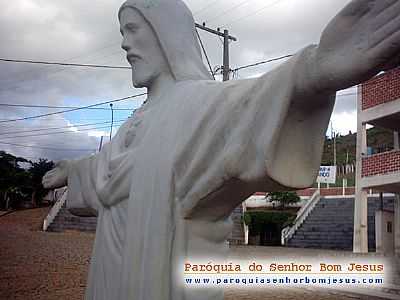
[(362, 40)]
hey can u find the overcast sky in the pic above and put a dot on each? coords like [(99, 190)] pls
[(75, 32)]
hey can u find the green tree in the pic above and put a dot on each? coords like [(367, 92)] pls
[(283, 198), (14, 180), (37, 171)]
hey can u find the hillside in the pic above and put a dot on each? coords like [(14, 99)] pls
[(379, 140)]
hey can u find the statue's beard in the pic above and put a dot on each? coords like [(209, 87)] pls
[(145, 73), (142, 77)]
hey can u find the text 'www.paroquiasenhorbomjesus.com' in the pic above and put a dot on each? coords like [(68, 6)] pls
[(283, 274)]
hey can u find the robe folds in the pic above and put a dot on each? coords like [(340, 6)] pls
[(165, 186)]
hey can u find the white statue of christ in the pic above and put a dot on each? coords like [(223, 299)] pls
[(165, 186)]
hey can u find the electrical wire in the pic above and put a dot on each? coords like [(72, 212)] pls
[(262, 62), (47, 148), (64, 64), (74, 109), (205, 7), (63, 69), (205, 54), (227, 11), (57, 132), (56, 128), (61, 107), (280, 58), (251, 14)]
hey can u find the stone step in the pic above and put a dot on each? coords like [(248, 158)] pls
[(333, 238), (66, 221), (90, 220), (330, 224), (317, 233), (386, 292), (237, 235)]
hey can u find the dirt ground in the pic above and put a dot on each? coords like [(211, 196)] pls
[(42, 265)]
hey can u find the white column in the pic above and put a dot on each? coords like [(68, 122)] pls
[(396, 141), (344, 186), (360, 238), (397, 225), (379, 227), (360, 242), (396, 229), (245, 227)]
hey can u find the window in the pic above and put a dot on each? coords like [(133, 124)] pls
[(389, 227)]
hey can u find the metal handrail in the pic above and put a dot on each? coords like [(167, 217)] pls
[(302, 214), (55, 209)]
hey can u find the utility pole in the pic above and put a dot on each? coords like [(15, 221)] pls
[(112, 120), (334, 150), (101, 143), (226, 68), (227, 38), (333, 135)]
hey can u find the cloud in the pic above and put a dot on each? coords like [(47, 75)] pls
[(73, 31)]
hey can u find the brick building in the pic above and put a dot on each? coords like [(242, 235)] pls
[(378, 169)]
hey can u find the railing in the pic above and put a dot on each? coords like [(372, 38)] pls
[(302, 214), (60, 201)]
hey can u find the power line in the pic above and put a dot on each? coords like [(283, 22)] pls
[(205, 7), (57, 122), (57, 132), (263, 62), (277, 59), (61, 107), (73, 109), (47, 148), (64, 64), (63, 69), (252, 14), (205, 54), (227, 11), (55, 128), (288, 56)]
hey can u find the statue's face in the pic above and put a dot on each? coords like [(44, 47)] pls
[(142, 48)]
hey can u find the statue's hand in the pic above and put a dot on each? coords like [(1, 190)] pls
[(362, 40), (57, 177)]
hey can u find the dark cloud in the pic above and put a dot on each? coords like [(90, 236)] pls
[(81, 32)]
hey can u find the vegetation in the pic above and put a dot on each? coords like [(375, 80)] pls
[(379, 139), (257, 220), (19, 184), (267, 225), (283, 198), (37, 171)]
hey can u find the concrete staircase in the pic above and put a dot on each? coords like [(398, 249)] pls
[(237, 236), (396, 273), (330, 224), (66, 221)]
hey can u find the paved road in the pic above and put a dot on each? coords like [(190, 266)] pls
[(47, 266)]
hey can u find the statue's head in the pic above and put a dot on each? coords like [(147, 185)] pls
[(143, 50), (159, 36)]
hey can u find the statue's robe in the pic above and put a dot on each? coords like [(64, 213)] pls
[(165, 186)]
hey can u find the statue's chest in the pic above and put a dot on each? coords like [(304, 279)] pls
[(135, 132), (147, 129)]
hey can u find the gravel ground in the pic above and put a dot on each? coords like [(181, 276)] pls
[(42, 265)]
